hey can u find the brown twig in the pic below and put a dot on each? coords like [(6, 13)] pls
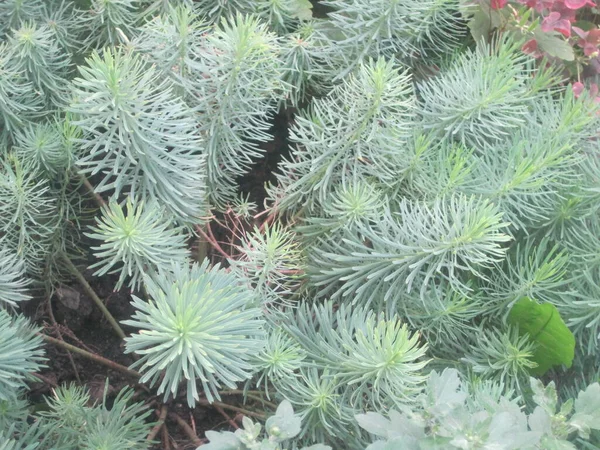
[(186, 429), (165, 439), (212, 241), (97, 358), (46, 380), (255, 395), (161, 421), (53, 319), (226, 416), (97, 197), (73, 269), (243, 411)]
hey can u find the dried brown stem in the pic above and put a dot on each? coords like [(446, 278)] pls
[(245, 412), (226, 416), (161, 421), (55, 324), (73, 269), (211, 240), (97, 197), (97, 358), (186, 429)]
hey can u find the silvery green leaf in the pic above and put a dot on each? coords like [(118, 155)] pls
[(317, 447), (379, 445), (551, 443), (435, 443), (405, 425), (268, 445), (587, 411), (546, 396), (444, 393), (221, 441), (509, 431), (250, 433), (567, 407), (540, 421), (284, 424), (374, 423)]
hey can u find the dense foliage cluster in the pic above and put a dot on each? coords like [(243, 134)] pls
[(422, 270)]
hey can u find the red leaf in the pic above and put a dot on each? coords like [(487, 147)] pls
[(555, 22), (530, 47), (498, 4), (578, 4)]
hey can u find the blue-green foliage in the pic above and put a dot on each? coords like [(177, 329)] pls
[(431, 183)]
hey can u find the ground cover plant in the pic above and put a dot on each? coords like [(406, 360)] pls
[(284, 224)]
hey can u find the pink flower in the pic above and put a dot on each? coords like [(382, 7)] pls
[(578, 4), (498, 4), (590, 40), (554, 21), (565, 13), (578, 89)]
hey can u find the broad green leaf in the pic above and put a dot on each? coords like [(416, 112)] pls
[(553, 44), (556, 343)]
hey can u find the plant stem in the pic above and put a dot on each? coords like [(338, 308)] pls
[(97, 358), (226, 416), (55, 324), (94, 296), (186, 429), (245, 412), (161, 420), (212, 241), (97, 197)]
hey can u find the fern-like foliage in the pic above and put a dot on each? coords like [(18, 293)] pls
[(28, 219), (72, 423), (483, 97), (109, 22), (369, 28), (355, 131), (535, 270), (502, 355), (42, 145), (238, 77), (415, 243), (19, 103), (169, 41), (13, 283), (271, 262), (21, 354), (135, 240), (197, 326), (138, 134), (13, 12), (36, 53), (366, 352)]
